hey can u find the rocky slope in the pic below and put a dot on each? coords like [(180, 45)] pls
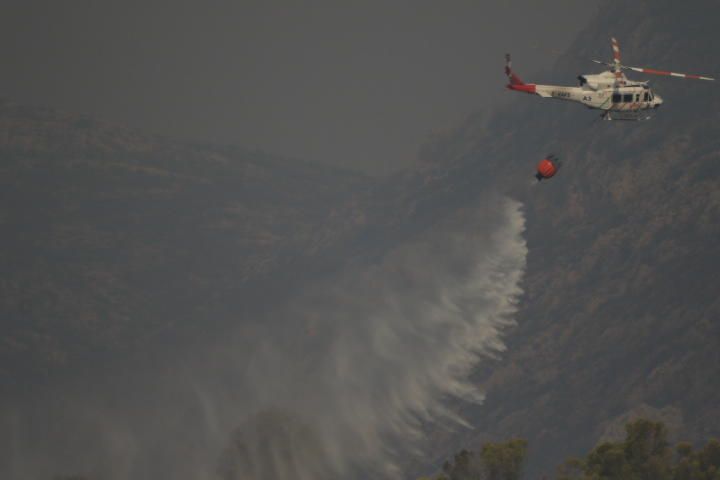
[(620, 312), (115, 243)]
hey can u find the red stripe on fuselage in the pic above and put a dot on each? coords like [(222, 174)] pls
[(525, 87)]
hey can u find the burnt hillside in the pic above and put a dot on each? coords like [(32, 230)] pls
[(620, 314), (116, 243)]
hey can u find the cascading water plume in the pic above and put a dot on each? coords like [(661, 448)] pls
[(390, 344), (336, 383)]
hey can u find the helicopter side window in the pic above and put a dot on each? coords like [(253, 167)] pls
[(616, 98), (628, 98), (646, 98)]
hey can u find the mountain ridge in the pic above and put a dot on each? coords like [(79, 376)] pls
[(620, 287), (104, 223), (121, 243)]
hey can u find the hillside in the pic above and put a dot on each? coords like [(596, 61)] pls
[(157, 295), (120, 249), (116, 243), (620, 312)]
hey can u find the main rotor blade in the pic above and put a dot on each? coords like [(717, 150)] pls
[(616, 51), (670, 74), (617, 68), (603, 63)]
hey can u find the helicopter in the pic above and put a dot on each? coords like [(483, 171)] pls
[(610, 91)]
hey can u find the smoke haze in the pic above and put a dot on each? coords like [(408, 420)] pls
[(357, 84), (339, 381)]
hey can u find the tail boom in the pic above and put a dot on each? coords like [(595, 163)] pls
[(525, 87), (515, 83), (545, 91)]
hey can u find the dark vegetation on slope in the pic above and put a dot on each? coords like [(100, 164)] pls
[(620, 311), (644, 453), (116, 244)]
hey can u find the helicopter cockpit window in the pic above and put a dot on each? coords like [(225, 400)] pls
[(646, 98), (628, 98), (617, 98)]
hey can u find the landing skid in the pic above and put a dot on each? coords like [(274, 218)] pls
[(636, 116)]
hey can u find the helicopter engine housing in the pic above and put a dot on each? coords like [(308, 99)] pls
[(597, 82)]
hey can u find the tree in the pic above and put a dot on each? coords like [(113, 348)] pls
[(494, 461), (700, 465), (647, 450), (643, 455), (608, 460), (504, 461), (466, 466), (572, 469)]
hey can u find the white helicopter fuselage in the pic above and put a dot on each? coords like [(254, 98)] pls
[(609, 91), (600, 92)]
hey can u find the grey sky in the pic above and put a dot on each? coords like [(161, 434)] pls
[(356, 84)]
